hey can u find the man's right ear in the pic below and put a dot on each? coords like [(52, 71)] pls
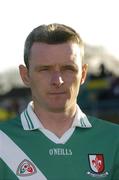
[(24, 75)]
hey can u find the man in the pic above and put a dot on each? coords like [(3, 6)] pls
[(53, 139)]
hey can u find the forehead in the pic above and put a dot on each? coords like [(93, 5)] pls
[(53, 53)]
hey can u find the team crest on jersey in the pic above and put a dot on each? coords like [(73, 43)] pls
[(26, 168), (97, 166), (96, 163)]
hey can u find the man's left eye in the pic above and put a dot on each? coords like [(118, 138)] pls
[(70, 68)]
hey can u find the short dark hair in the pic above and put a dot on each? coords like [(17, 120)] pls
[(51, 34)]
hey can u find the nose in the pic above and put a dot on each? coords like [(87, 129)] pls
[(56, 79)]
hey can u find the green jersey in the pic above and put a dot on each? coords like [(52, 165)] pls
[(90, 152)]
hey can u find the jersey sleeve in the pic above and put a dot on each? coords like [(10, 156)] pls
[(115, 175), (0, 144), (1, 162), (5, 172)]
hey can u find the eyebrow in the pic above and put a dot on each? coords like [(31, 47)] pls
[(48, 66), (42, 66)]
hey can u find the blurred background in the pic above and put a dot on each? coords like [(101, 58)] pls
[(97, 23)]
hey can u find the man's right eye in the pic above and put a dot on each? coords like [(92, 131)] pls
[(43, 69)]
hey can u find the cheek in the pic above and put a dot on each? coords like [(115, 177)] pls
[(69, 78), (75, 80), (37, 80), (74, 87), (76, 84)]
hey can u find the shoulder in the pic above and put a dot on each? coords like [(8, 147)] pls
[(98, 121), (10, 123), (103, 125)]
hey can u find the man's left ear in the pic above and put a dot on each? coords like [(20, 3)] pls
[(84, 73)]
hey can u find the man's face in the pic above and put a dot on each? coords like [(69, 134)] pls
[(55, 74)]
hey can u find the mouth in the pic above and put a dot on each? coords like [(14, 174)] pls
[(57, 93)]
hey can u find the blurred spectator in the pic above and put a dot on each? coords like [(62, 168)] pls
[(114, 90)]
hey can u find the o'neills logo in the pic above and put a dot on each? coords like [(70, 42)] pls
[(60, 152)]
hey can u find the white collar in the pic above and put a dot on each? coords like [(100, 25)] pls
[(31, 122)]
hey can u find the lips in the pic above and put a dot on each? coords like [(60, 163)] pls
[(57, 93)]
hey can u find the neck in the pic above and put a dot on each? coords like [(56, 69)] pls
[(58, 123)]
